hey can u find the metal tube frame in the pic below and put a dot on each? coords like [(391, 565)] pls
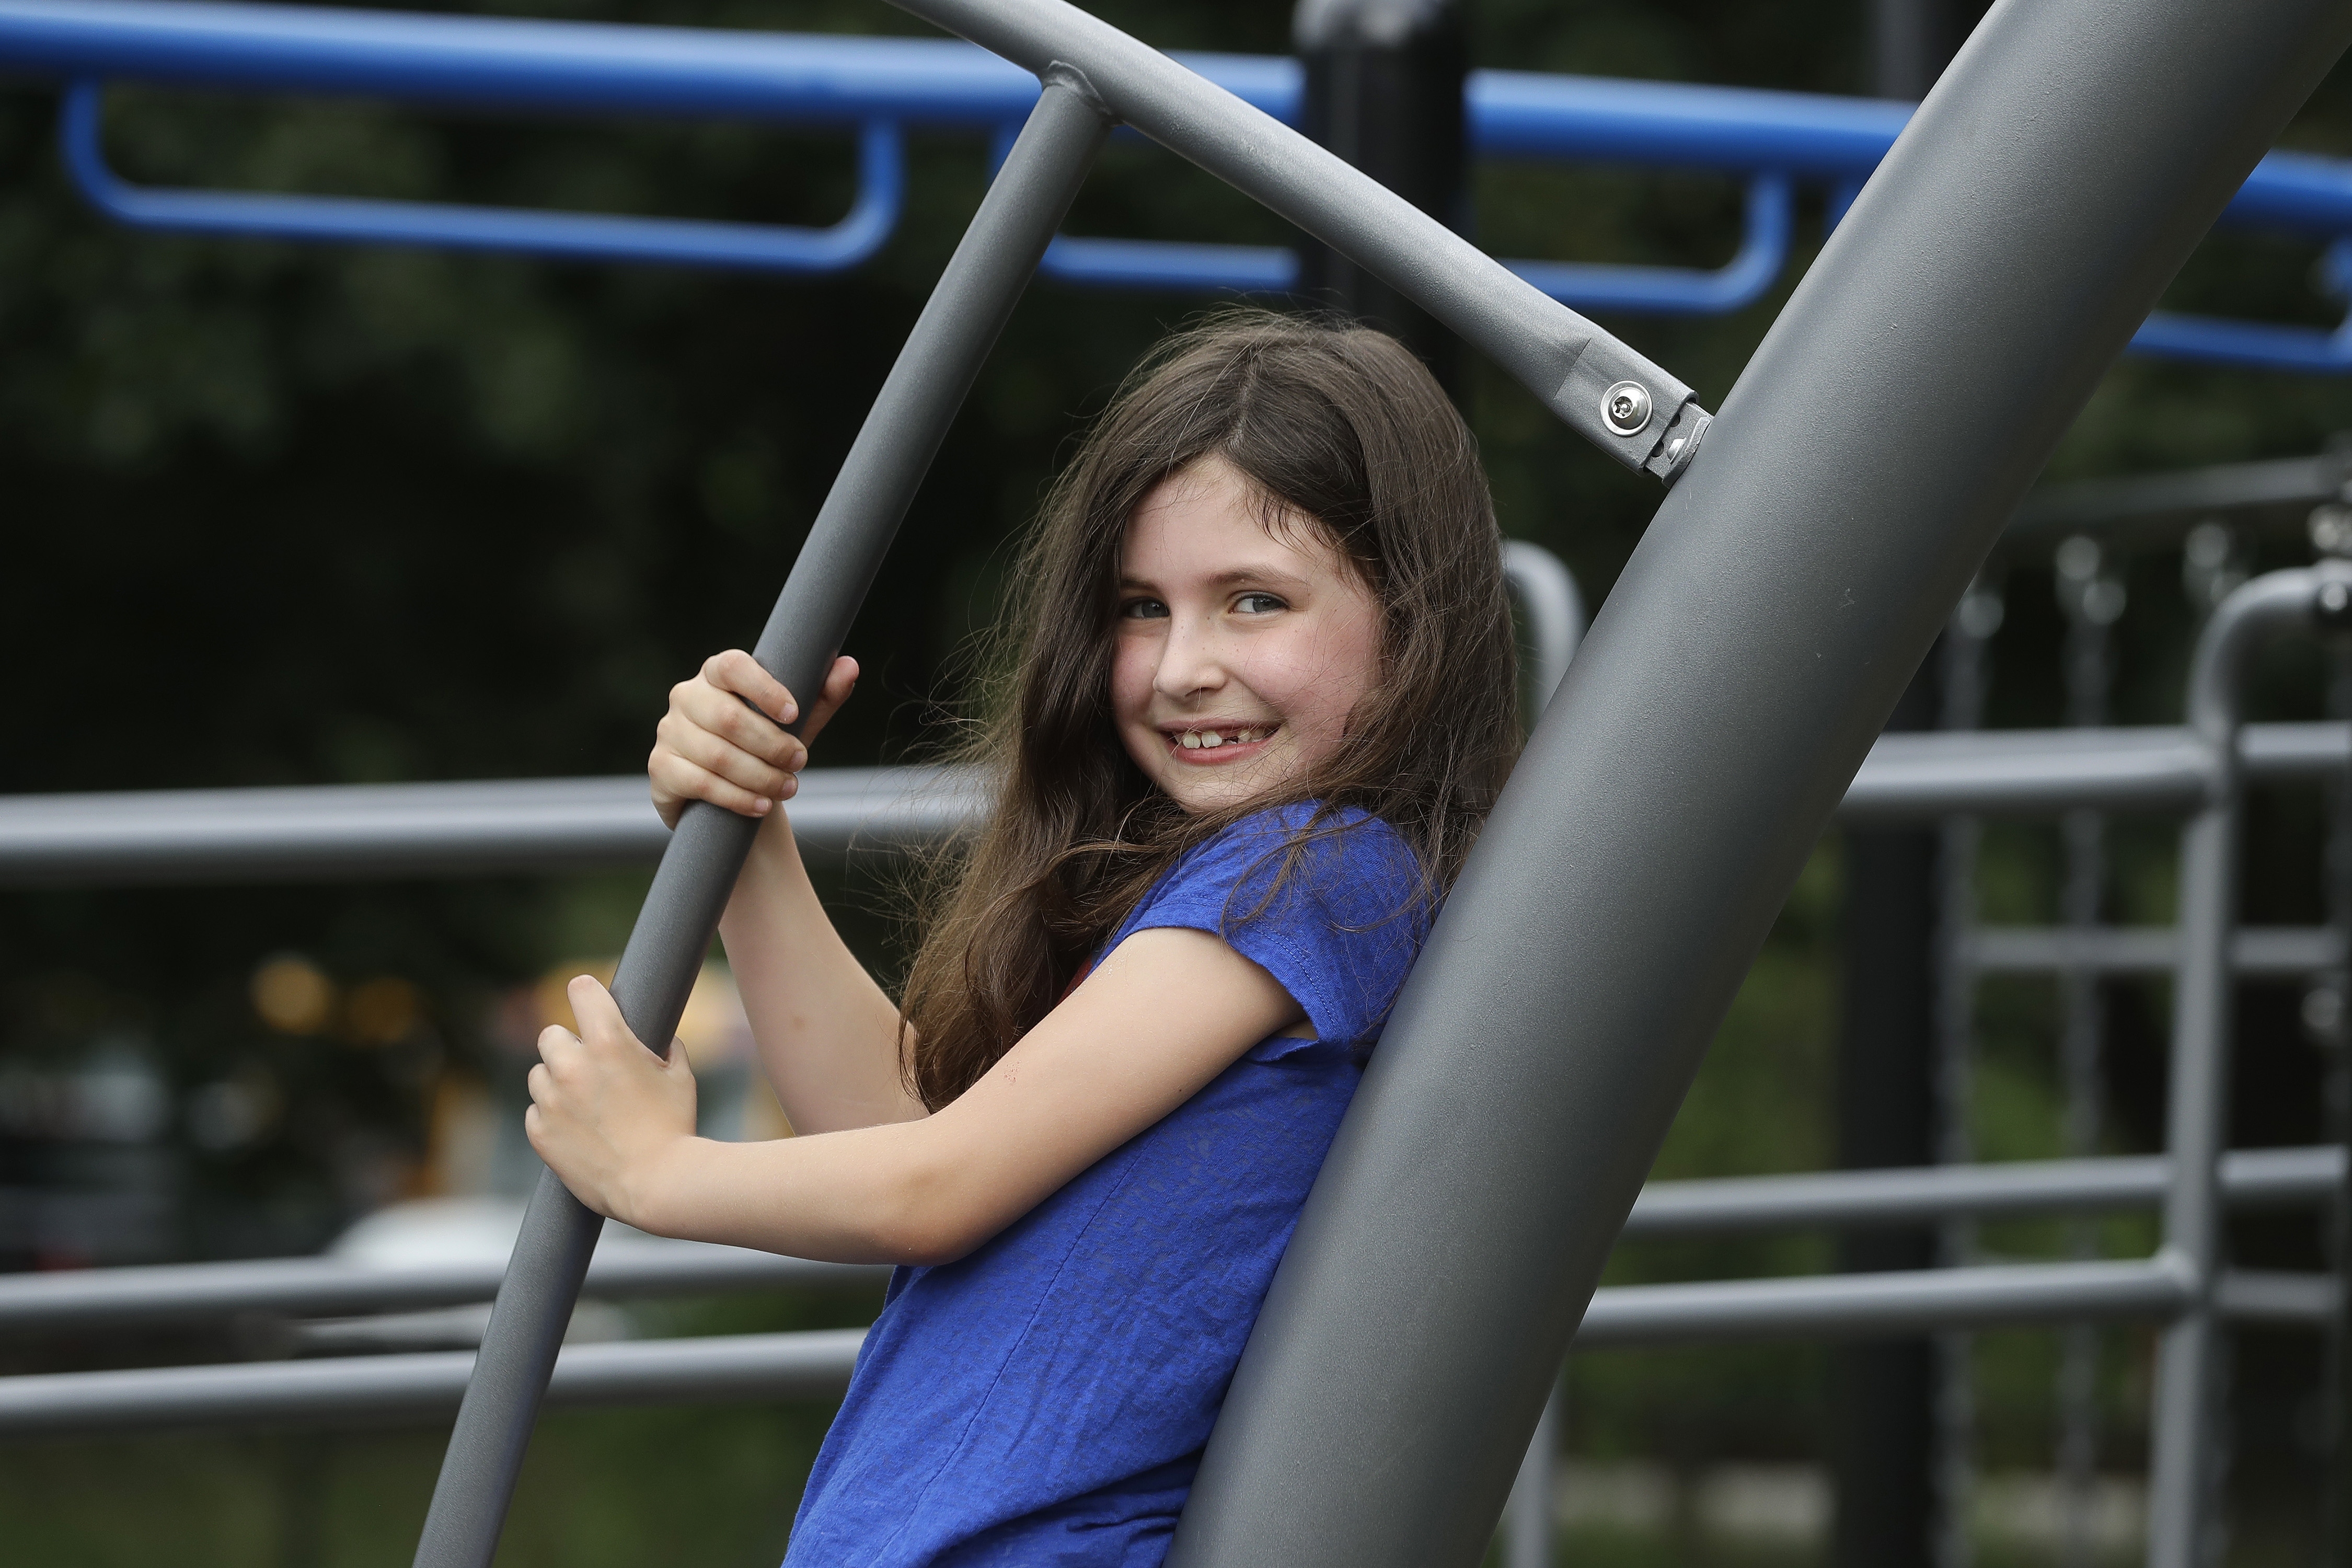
[(967, 310), (331, 831), (2180, 1507), (138, 1298), (1579, 373)]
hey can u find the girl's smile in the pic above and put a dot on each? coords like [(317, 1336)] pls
[(1240, 650)]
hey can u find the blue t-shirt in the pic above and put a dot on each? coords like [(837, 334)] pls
[(1046, 1400)]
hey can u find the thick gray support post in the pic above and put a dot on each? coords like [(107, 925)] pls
[(1580, 372), (2198, 1116), (969, 307), (2046, 191)]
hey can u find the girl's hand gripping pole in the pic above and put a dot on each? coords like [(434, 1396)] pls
[(967, 310)]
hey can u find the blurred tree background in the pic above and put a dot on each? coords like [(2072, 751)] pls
[(290, 515)]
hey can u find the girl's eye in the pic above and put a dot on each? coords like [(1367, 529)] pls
[(1258, 604), (1143, 610)]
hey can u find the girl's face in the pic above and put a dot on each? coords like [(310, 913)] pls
[(1238, 653)]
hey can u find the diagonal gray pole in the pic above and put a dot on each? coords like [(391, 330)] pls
[(968, 309), (2047, 190), (1628, 407)]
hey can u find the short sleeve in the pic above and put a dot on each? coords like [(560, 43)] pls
[(1334, 911)]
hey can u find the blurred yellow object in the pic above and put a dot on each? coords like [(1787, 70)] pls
[(713, 1029), (293, 994), (382, 1012)]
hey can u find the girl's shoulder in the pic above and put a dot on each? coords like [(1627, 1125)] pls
[(1302, 859), (1329, 902)]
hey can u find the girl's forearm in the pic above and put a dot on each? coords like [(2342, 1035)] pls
[(867, 1196), (828, 1035)]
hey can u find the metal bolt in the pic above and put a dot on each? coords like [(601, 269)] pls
[(2331, 606), (1626, 407), (2331, 529)]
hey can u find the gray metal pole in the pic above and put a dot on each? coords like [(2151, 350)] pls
[(2091, 597), (1528, 1517), (1554, 606), (2198, 1098), (1580, 373), (969, 307), (1950, 329)]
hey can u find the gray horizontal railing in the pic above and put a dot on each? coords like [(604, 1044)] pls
[(2251, 1178), (112, 1299), (1837, 1306), (364, 1390), (740, 1368), (540, 824), (2272, 952), (148, 1295)]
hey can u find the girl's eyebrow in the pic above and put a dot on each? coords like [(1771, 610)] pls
[(1239, 575), (1266, 574)]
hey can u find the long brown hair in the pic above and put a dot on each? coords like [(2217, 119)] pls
[(1339, 428)]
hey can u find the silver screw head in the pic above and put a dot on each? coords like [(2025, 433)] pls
[(1625, 407), (2332, 605)]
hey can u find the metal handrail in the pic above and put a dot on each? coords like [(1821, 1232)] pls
[(599, 236), (814, 1364), (86, 1300), (324, 831)]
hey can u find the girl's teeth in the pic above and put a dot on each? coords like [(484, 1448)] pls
[(1210, 740)]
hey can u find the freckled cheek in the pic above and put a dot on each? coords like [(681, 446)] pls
[(1131, 680)]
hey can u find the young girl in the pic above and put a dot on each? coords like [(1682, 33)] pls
[(1264, 694)]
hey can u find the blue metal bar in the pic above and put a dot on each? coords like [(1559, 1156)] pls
[(1683, 290), (716, 73), (875, 83), (586, 236)]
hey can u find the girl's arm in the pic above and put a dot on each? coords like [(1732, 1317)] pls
[(828, 1037), (1165, 1012)]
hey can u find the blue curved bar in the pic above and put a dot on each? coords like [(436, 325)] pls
[(700, 73), (521, 231), (1681, 290), (2216, 341), (1171, 264), (879, 84)]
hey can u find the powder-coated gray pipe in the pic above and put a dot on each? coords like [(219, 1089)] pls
[(960, 323), (726, 1368), (101, 1299), (2196, 1116), (136, 836), (2017, 233), (1568, 362), (2274, 951), (359, 1390), (349, 1391), (90, 1299)]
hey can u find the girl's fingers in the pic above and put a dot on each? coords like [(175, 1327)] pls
[(687, 764), (738, 672), (701, 705), (710, 748), (599, 1015), (554, 1041), (839, 682), (682, 781)]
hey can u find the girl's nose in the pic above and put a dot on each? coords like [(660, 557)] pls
[(1188, 662)]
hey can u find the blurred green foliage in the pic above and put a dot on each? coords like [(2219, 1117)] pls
[(303, 515)]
